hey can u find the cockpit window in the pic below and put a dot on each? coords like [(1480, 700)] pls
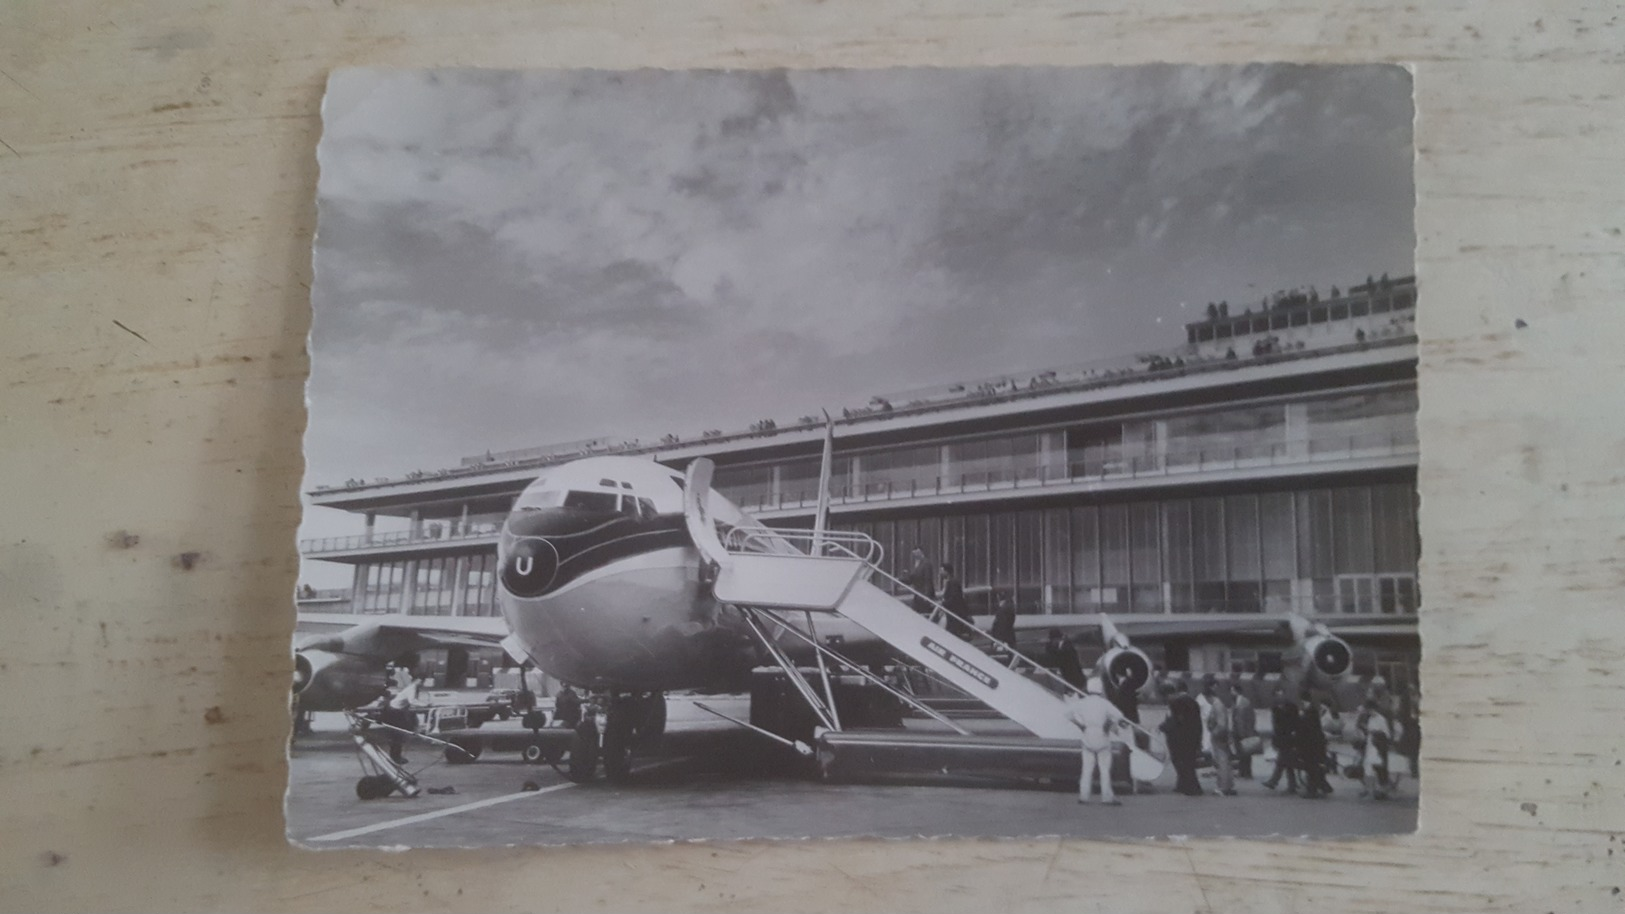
[(647, 506), (629, 506), (531, 501), (590, 501)]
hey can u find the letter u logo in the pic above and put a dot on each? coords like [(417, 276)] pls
[(531, 569)]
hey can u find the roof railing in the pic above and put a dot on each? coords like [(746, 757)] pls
[(1173, 363), (1095, 465)]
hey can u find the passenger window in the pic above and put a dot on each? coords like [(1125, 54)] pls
[(590, 501)]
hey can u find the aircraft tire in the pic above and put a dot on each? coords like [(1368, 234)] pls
[(584, 752), (372, 787)]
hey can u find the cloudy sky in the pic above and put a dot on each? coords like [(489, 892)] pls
[(508, 259)]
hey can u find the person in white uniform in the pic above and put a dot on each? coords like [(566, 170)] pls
[(1098, 720), (1204, 703), (399, 716), (1378, 740)]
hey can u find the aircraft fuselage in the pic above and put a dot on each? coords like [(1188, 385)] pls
[(600, 582)]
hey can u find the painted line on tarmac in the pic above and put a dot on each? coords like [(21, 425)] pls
[(468, 807)]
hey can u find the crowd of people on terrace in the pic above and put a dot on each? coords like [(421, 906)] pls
[(1301, 297)]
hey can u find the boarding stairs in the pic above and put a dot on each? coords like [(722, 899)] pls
[(777, 574), (779, 583)]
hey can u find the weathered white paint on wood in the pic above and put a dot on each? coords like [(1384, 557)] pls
[(157, 177)]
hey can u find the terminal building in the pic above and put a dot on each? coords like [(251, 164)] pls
[(1266, 465)]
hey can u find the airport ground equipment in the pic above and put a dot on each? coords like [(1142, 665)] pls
[(381, 775), (782, 581), (779, 578), (774, 575)]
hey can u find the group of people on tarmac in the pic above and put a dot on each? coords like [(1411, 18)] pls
[(1221, 723), (568, 708), (1298, 731)]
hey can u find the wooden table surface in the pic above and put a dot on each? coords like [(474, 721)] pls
[(157, 174)]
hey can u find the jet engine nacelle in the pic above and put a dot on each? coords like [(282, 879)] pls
[(1125, 669), (1328, 655), (329, 681)]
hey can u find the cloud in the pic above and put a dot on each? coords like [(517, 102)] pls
[(507, 259)]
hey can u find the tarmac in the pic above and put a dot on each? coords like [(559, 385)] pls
[(733, 785)]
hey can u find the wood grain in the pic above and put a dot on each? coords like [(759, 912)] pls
[(157, 171)]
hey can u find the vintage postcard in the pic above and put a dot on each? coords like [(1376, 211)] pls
[(916, 452)]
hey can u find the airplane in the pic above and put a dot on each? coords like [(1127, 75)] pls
[(608, 569)]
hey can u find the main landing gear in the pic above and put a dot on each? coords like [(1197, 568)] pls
[(632, 723)]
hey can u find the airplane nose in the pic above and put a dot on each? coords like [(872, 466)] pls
[(531, 565)]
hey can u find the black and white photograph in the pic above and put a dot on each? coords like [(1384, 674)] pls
[(986, 452)]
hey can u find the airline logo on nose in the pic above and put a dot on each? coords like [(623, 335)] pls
[(970, 670), (531, 567)]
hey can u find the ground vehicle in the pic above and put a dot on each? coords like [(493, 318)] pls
[(504, 703)]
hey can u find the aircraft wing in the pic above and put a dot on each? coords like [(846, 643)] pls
[(388, 637)]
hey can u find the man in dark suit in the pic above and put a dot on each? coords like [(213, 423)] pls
[(1183, 731), (953, 600), (1062, 656), (1284, 722), (1311, 746), (922, 582), (1004, 621)]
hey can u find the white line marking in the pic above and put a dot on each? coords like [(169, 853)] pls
[(424, 817), (466, 807)]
